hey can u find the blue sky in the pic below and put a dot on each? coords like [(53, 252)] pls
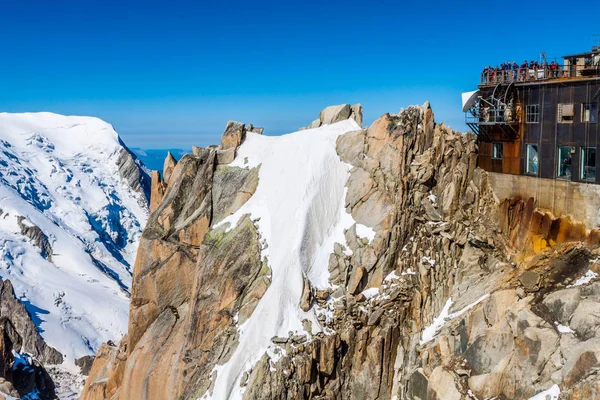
[(170, 74)]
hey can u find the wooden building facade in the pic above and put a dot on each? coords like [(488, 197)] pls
[(542, 123)]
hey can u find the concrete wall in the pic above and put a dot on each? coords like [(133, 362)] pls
[(580, 201)]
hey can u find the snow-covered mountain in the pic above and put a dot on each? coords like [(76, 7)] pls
[(73, 202), (347, 263)]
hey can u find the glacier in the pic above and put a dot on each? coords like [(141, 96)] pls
[(61, 174)]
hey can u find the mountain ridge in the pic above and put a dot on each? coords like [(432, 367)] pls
[(437, 288), (74, 199)]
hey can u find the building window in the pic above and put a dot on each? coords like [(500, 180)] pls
[(589, 112), (533, 113), (564, 162), (588, 163), (497, 151), (566, 112), (531, 166)]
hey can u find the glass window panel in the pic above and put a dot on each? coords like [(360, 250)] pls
[(531, 166), (588, 163), (589, 112), (533, 113), (564, 162), (497, 150)]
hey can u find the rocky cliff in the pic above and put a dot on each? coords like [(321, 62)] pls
[(22, 351), (398, 275)]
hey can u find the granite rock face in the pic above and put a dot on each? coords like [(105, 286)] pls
[(133, 172), (190, 282), (37, 237), (32, 343), (21, 374), (453, 298), (333, 114)]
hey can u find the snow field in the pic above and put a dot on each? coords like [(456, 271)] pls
[(299, 209), (60, 173)]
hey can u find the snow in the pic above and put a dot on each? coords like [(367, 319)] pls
[(563, 328), (365, 232), (429, 260), (432, 198), (391, 276), (584, 280), (550, 394), (371, 292), (409, 271), (299, 209), (430, 331), (60, 173), (467, 308)]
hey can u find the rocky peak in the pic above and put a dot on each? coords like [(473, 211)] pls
[(333, 114), (168, 167)]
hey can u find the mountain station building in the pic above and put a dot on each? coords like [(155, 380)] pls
[(539, 121), (538, 131)]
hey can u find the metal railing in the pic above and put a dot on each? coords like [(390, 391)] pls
[(493, 77), (489, 115)]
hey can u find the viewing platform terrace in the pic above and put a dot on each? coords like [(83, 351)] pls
[(541, 74)]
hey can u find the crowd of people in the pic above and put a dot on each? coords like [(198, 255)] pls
[(513, 72)]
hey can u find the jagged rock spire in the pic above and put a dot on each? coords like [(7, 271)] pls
[(170, 163)]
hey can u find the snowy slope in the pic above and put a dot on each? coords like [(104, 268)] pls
[(60, 174), (299, 205)]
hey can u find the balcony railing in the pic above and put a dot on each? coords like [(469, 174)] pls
[(489, 115), (492, 78)]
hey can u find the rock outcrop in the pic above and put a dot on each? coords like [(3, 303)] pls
[(190, 282), (32, 343), (20, 373), (132, 171), (37, 237), (452, 297), (333, 114)]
